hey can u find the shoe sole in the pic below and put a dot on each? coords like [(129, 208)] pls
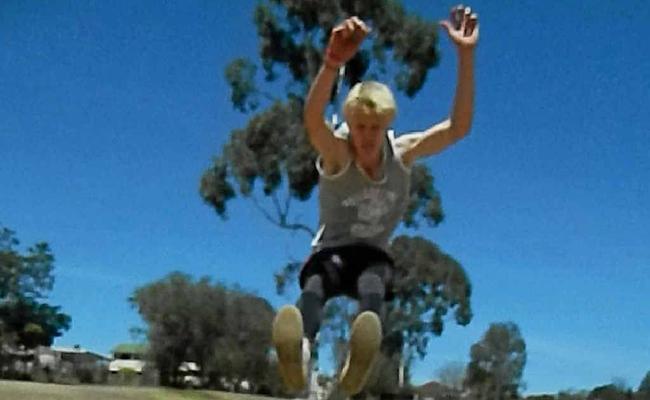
[(287, 339), (365, 340)]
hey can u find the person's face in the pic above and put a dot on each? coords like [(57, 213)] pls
[(366, 132)]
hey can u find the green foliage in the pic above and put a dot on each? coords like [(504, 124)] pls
[(609, 392), (293, 35), (271, 148), (33, 323), (240, 75), (572, 395), (130, 348), (215, 188), (225, 331), (427, 279), (497, 363), (541, 397), (25, 280), (242, 353), (24, 275), (175, 310), (425, 201)]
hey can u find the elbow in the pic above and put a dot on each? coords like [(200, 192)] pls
[(461, 129), (460, 121)]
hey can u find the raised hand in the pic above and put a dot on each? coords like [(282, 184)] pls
[(345, 41), (462, 27)]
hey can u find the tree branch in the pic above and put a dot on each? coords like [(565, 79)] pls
[(287, 202), (299, 227), (281, 214), (281, 221), (264, 212)]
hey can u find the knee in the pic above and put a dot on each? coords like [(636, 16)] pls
[(314, 285), (370, 283)]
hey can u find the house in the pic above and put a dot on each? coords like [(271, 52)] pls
[(54, 363), (80, 358), (130, 359), (70, 364), (16, 360), (128, 356)]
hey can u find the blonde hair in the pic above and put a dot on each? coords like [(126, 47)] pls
[(371, 97)]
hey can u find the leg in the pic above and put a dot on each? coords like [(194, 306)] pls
[(311, 304), (371, 289), (287, 338), (294, 329), (365, 335)]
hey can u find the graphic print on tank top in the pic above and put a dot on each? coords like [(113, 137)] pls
[(372, 204)]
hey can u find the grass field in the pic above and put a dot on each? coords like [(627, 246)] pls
[(13, 390)]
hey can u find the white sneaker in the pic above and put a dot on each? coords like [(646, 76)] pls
[(365, 340), (293, 350)]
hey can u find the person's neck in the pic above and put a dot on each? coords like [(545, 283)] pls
[(371, 165)]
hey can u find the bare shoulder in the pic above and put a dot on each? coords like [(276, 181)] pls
[(407, 140), (429, 142), (329, 144), (337, 156), (404, 143)]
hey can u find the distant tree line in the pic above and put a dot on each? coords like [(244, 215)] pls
[(617, 390), (495, 372)]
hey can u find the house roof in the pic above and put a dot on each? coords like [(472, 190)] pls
[(78, 350), (130, 348)]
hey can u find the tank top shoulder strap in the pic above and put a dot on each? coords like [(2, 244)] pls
[(390, 137)]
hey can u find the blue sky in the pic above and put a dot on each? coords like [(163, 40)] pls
[(110, 112)]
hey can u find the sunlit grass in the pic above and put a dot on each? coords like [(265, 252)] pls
[(12, 390)]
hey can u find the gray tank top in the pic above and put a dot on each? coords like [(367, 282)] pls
[(355, 209)]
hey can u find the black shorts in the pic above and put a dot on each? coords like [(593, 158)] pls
[(340, 268)]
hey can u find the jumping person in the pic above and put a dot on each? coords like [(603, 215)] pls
[(364, 190)]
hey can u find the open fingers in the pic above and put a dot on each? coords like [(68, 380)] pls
[(359, 25), (471, 25), (463, 20), (456, 16), (343, 30), (351, 28)]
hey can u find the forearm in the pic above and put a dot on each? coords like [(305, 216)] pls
[(463, 108), (319, 94)]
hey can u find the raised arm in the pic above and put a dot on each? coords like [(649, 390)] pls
[(463, 31), (331, 149), (343, 44)]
